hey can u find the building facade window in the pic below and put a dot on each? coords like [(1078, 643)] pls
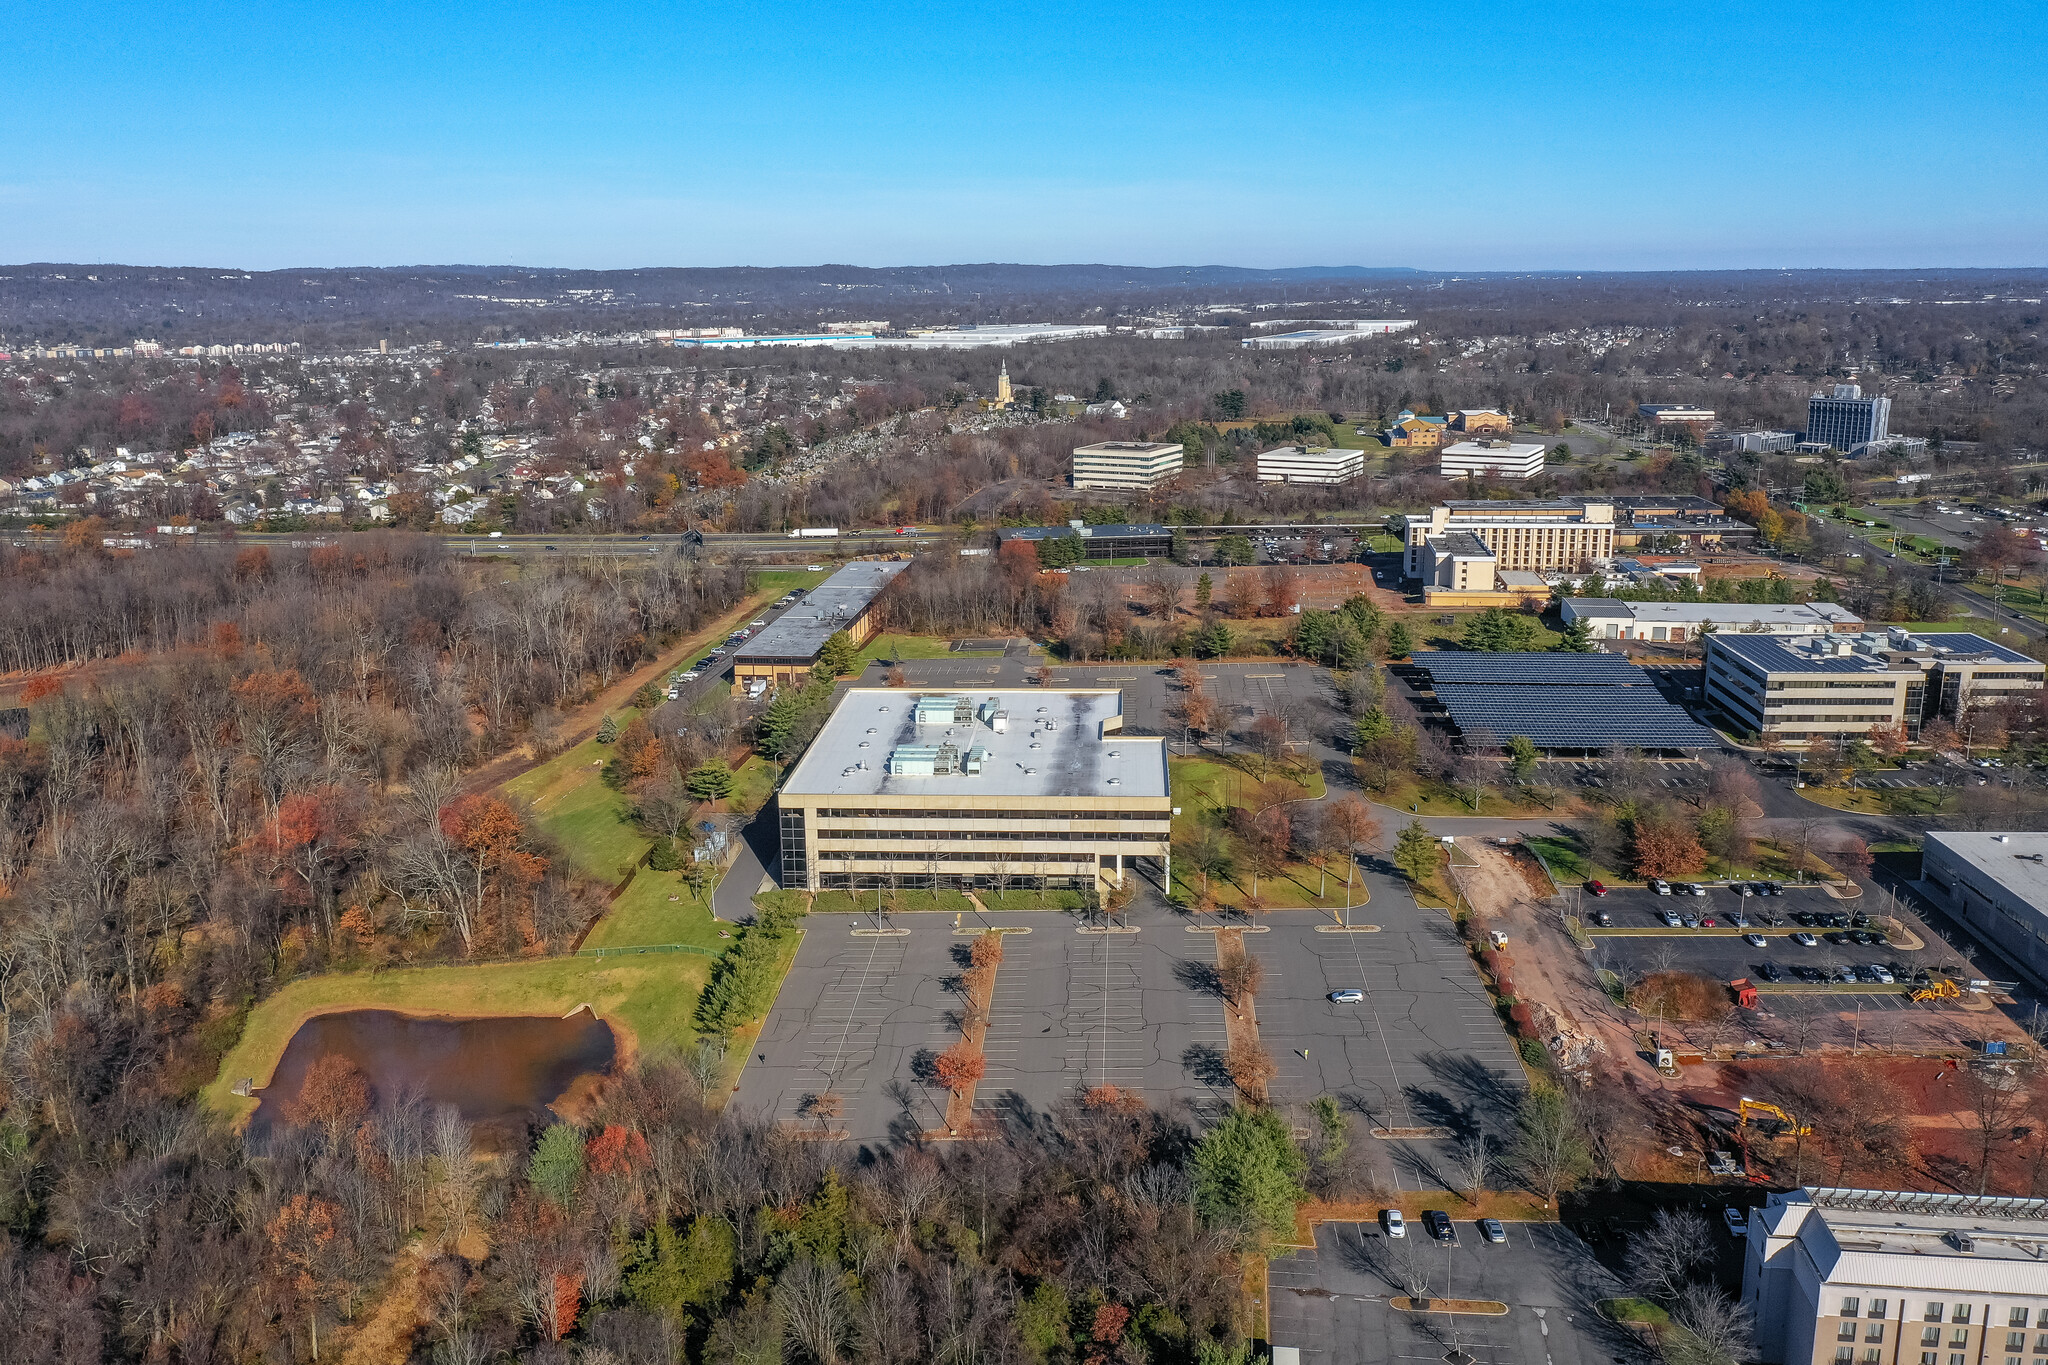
[(2018, 1318), (1845, 1353), (1935, 1311), (1962, 1313), (1875, 1332), (1930, 1336), (1877, 1308)]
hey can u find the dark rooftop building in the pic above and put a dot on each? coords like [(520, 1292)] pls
[(1100, 542)]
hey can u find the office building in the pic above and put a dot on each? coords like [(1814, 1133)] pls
[(785, 650), (1497, 459), (1801, 688), (1997, 884), (1677, 622), (1310, 464), (1675, 414), (1101, 542), (1889, 1277), (1132, 465), (1847, 421), (1756, 442), (1472, 421), (975, 790), (1565, 535)]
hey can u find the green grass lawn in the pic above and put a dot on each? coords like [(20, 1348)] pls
[(1414, 796), (643, 914), (780, 581), (906, 899), (587, 818), (1204, 789), (753, 784), (888, 646), (1053, 898), (650, 999)]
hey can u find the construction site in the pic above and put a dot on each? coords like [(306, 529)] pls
[(1700, 1074)]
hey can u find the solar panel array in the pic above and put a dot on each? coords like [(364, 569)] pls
[(1453, 667), (1575, 717)]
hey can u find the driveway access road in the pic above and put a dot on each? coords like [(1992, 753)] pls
[(1332, 1302)]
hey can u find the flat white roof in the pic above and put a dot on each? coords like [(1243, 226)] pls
[(1055, 745), (1512, 450), (1742, 614), (2005, 859)]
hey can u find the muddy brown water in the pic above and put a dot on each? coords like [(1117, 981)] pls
[(501, 1074)]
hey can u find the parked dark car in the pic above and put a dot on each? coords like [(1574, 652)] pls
[(1768, 971), (1439, 1224)]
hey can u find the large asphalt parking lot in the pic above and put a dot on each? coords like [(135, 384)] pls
[(1723, 955), (1331, 1303), (861, 1016)]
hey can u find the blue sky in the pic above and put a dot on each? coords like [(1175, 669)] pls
[(1463, 136)]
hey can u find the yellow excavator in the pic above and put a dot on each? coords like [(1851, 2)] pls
[(1940, 988), (1748, 1106)]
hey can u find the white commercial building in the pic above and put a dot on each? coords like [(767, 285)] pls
[(975, 790), (1997, 884), (1611, 619), (1502, 459), (1137, 465), (1310, 464), (1889, 1277), (1337, 332), (1560, 535)]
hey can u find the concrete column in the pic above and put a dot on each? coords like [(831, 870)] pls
[(1119, 871)]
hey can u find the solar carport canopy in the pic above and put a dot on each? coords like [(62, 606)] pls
[(1455, 667), (1560, 701), (1574, 717)]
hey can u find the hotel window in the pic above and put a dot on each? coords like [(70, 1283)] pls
[(1871, 1355), (1875, 1332), (1851, 1307), (2018, 1318), (1959, 1337), (1845, 1354), (2015, 1360), (1929, 1358), (1877, 1308), (1962, 1313), (1958, 1358), (1845, 1331), (2041, 1344), (1930, 1336), (2015, 1341)]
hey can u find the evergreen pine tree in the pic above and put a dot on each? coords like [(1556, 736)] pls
[(607, 731)]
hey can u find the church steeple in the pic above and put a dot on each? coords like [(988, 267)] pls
[(1003, 396)]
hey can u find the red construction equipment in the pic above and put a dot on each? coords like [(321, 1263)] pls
[(1745, 993)]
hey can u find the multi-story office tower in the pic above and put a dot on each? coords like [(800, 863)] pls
[(1126, 464), (1501, 459), (1310, 464), (990, 789), (1802, 688), (1846, 420)]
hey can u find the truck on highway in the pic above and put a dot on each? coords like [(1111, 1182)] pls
[(814, 531)]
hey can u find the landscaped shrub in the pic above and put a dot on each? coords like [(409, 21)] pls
[(663, 857), (743, 983)]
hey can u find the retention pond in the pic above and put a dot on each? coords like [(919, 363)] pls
[(501, 1074)]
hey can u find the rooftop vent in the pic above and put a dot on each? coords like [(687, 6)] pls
[(1963, 1241)]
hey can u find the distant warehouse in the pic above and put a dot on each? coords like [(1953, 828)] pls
[(1126, 464), (784, 652), (1310, 464), (1502, 459), (1100, 542)]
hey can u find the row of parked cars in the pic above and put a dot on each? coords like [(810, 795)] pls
[(1873, 973), (1439, 1225)]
